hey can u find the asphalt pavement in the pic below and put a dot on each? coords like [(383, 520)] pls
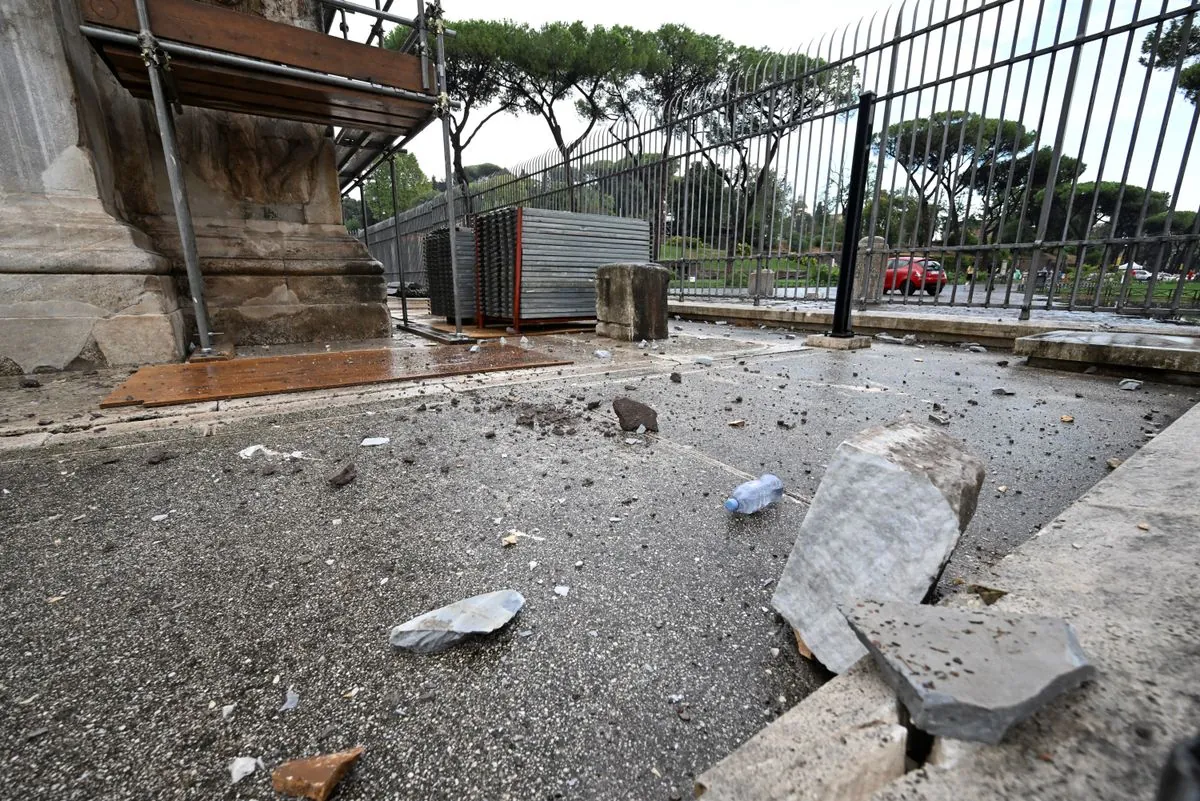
[(159, 608)]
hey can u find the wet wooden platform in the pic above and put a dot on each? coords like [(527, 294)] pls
[(172, 384)]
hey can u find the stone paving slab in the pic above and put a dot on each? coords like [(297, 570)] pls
[(1159, 352), (1121, 566)]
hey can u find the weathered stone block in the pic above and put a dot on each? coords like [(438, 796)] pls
[(761, 283), (842, 743), (969, 674), (869, 270), (631, 301), (882, 525)]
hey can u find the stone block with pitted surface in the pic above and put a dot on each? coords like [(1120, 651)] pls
[(631, 301)]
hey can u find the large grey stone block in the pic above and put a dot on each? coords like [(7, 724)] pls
[(631, 301), (970, 674), (882, 525)]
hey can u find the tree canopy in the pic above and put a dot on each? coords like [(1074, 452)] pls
[(412, 187), (1178, 46)]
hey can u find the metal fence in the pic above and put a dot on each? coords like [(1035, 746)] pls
[(1031, 154)]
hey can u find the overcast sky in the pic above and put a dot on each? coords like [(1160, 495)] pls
[(783, 25), (791, 25)]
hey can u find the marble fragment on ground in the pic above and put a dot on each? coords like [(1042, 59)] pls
[(882, 525), (970, 674), (449, 625)]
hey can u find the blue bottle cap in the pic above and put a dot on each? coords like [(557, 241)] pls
[(731, 504)]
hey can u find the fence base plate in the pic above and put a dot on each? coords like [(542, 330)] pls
[(837, 343)]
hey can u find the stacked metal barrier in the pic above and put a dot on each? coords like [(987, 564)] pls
[(540, 265), (437, 269)]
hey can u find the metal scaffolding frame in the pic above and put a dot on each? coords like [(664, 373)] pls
[(156, 54)]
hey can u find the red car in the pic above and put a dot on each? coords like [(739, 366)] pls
[(910, 275)]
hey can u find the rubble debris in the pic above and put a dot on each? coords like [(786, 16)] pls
[(241, 767), (1066, 418), (705, 361), (29, 382), (344, 475), (1002, 363), (593, 405), (989, 595), (1129, 384), (371, 442), (1114, 463), (291, 699), (804, 650), (602, 354), (785, 425), (739, 423), (676, 378), (1003, 391), (562, 589), (250, 452), (441, 628), (158, 456), (907, 339), (884, 522), (969, 674), (633, 414), (314, 777), (939, 418)]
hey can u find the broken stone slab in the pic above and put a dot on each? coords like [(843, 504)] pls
[(441, 628), (314, 777), (1130, 384), (633, 414), (883, 523), (969, 674)]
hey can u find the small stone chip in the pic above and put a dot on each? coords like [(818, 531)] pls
[(314, 777)]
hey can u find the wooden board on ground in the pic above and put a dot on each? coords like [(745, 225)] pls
[(171, 384)]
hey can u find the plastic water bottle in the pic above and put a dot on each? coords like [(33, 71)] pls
[(758, 494)]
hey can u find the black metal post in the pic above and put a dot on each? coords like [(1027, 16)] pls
[(396, 241), (854, 204)]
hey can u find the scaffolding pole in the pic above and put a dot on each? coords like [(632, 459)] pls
[(156, 64), (396, 242), (435, 13)]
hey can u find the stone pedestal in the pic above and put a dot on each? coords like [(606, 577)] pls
[(79, 287), (761, 283), (91, 272), (869, 270), (631, 301)]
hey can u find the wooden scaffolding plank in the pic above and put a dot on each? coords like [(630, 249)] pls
[(194, 382), (214, 86), (214, 28)]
